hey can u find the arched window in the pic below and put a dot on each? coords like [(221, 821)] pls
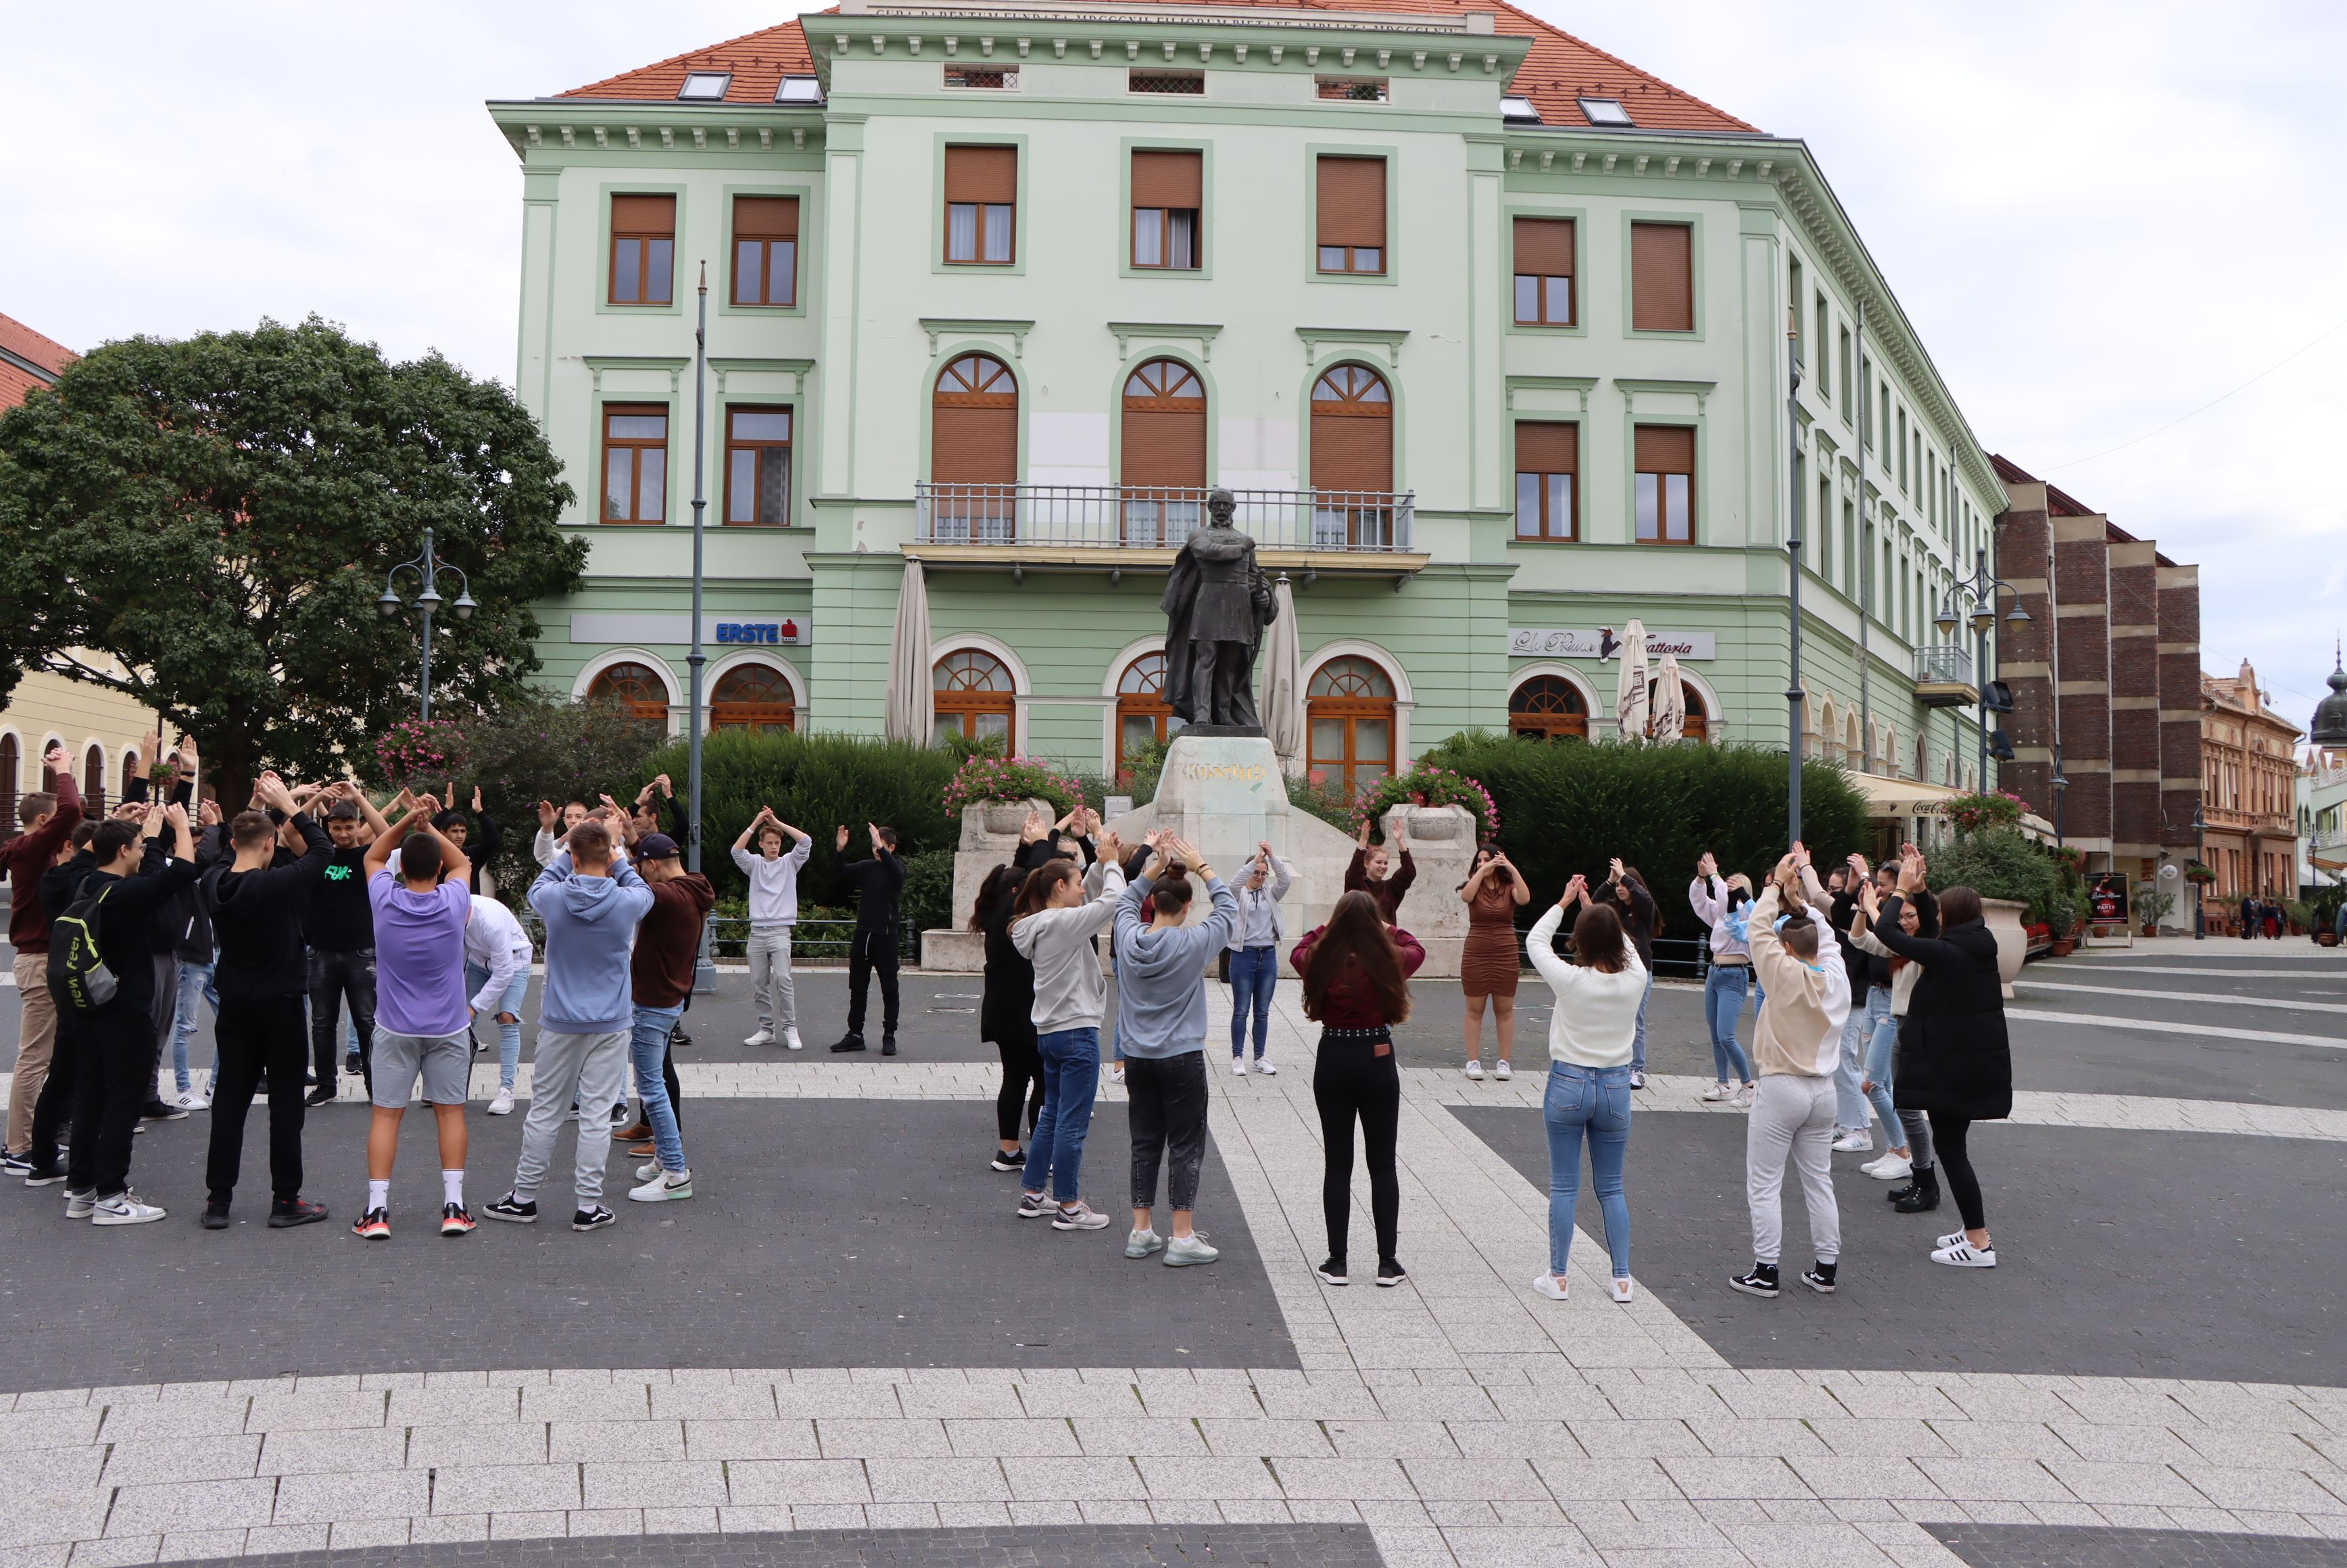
[(1352, 460), (129, 772), (1163, 460), (1548, 706), (1143, 717), (1853, 747), (752, 697), (93, 780), (10, 759), (972, 697), (1699, 718), (974, 451), (1349, 712), (49, 779), (639, 686)]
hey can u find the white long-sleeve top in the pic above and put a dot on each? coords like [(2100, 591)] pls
[(1258, 923), (1903, 974), (773, 884), (1070, 991), (1596, 1019), (1711, 907), (495, 940)]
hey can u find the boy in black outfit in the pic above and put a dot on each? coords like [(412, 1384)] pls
[(877, 882), (340, 927), (257, 907)]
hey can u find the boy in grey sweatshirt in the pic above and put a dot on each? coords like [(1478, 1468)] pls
[(1161, 994)]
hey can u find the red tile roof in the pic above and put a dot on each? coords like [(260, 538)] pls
[(1559, 69), (2060, 503), (24, 343)]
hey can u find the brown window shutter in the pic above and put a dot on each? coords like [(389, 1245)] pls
[(1168, 180), (766, 217), (1543, 448), (1662, 278), (1544, 247), (643, 215), (973, 446), (1350, 452), (982, 174), (1352, 202), (1665, 449), (1164, 447)]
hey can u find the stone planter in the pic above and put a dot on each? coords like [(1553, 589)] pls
[(2003, 918), (1005, 816)]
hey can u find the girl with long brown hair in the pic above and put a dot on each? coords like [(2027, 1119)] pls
[(1356, 974)]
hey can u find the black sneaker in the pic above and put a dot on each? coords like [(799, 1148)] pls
[(285, 1214), (351, 1064), (16, 1165), (847, 1042), (678, 1037), (44, 1176), (888, 1045), (510, 1207), (321, 1095), (1332, 1272), (1009, 1160), (593, 1219), (161, 1110), (1819, 1278), (1390, 1271), (1761, 1281), (619, 1114), (216, 1214)]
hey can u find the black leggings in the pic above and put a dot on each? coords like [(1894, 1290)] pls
[(1350, 1080), (1022, 1078), (1948, 1141)]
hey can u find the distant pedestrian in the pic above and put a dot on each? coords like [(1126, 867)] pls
[(1058, 913), (773, 916), (1490, 964), (872, 947), (1726, 909), (1255, 955)]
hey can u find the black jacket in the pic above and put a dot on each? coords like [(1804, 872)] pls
[(1954, 1054), (1007, 1015), (1641, 920), (876, 881), (125, 925), (259, 915), (1856, 961)]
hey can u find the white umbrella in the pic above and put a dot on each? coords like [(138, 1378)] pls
[(1283, 677), (1630, 692), (1670, 700), (911, 713)]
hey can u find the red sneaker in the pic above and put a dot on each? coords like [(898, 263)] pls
[(373, 1226), (453, 1220)]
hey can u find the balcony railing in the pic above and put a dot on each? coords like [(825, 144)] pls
[(1944, 665), (1115, 516)]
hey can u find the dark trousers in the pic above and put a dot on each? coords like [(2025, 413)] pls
[(257, 1035), (1349, 1081), (55, 1103), (162, 1015), (1947, 1141), (1166, 1108), (1022, 1078), (667, 1078), (872, 948), (335, 976), (115, 1075)]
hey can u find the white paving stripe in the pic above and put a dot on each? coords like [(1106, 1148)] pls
[(2312, 971), (2336, 1009), (2207, 1031)]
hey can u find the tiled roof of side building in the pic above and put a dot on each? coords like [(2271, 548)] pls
[(1559, 70), (22, 342)]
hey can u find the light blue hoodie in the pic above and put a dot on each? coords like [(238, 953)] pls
[(1160, 973), (590, 922)]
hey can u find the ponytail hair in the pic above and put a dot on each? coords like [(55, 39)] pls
[(1036, 891)]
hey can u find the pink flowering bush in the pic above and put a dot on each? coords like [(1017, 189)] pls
[(1986, 808), (1428, 785), (415, 751), (984, 778)]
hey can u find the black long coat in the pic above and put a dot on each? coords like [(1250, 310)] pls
[(1953, 1054)]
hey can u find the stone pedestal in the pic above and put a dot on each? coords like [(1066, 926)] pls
[(990, 838)]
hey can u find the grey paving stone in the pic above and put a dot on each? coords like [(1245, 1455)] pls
[(2053, 1546)]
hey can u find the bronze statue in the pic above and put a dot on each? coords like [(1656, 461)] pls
[(1217, 605)]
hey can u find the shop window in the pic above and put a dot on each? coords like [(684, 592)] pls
[(1349, 708), (637, 686), (752, 697), (973, 698), (1549, 708)]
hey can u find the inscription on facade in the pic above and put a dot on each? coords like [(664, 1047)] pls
[(1250, 773)]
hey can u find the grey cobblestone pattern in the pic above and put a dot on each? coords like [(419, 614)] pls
[(2070, 1546), (1033, 1546), (2119, 1254), (831, 1232)]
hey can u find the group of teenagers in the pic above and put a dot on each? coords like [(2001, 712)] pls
[(1867, 986)]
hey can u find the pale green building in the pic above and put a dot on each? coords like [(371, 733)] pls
[(1488, 330)]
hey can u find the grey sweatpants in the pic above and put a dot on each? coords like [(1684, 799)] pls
[(1791, 1115), (770, 977), (589, 1071)]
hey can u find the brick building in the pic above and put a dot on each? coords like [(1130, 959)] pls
[(2105, 678)]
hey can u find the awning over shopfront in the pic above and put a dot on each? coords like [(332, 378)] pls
[(1888, 797)]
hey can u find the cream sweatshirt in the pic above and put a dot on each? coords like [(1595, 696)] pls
[(1070, 991), (1596, 1019), (1800, 1031)]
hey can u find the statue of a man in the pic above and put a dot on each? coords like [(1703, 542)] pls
[(1217, 605)]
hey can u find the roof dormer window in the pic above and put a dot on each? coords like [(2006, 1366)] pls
[(799, 90), (1517, 111), (704, 87), (1604, 111)]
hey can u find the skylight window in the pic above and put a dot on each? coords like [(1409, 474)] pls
[(1519, 111), (704, 87), (1604, 111), (799, 90)]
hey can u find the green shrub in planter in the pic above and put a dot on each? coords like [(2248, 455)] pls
[(2000, 862)]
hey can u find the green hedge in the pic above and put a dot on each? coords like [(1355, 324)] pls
[(2000, 862), (1569, 805)]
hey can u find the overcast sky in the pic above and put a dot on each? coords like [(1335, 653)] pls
[(2101, 217)]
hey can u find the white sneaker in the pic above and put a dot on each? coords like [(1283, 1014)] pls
[(1621, 1291), (1475, 1069), (1962, 1255), (1186, 1250), (124, 1209), (189, 1100), (1853, 1142), (1889, 1168), (1718, 1091), (1082, 1217), (1238, 1067), (503, 1104), (1951, 1239), (1263, 1065), (763, 1036), (647, 1170), (791, 1040), (663, 1188), (1548, 1285), (79, 1206), (1503, 1072), (1744, 1096), (1116, 1072)]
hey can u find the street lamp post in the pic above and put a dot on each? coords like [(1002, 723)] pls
[(427, 568), (1974, 598), (1793, 694), (705, 969)]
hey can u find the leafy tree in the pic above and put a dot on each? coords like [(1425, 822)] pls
[(218, 515)]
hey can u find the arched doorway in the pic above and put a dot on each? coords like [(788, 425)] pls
[(974, 451), (752, 697), (1143, 717), (130, 770), (93, 780), (1698, 717), (1352, 459), (1163, 457), (974, 698), (638, 686), (1348, 708), (11, 759), (1549, 707)]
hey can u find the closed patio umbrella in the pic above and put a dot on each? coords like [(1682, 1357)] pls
[(1670, 700), (911, 713), (1283, 678), (1630, 692)]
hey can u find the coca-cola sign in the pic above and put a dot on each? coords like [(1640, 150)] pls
[(1602, 643)]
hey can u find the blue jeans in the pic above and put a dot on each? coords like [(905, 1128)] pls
[(1254, 975), (1882, 1039), (1638, 1045), (1055, 1149), (1594, 1100), (1849, 1105), (1723, 1004), (508, 1034), (195, 980), (648, 1049)]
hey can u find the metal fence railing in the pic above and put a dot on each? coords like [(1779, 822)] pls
[(1132, 517), (1944, 664)]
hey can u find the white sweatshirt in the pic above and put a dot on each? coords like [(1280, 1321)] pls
[(1070, 991), (1596, 1019), (773, 884)]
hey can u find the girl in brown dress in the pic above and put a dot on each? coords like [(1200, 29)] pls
[(1488, 966)]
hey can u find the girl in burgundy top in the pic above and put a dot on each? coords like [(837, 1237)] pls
[(1356, 971)]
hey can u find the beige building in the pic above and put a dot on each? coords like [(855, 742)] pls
[(2248, 783)]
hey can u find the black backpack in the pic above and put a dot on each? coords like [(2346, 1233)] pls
[(78, 978)]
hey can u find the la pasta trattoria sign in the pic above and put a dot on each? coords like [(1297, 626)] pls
[(1602, 643)]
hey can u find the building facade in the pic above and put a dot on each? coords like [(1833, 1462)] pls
[(2249, 785), (1490, 333)]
